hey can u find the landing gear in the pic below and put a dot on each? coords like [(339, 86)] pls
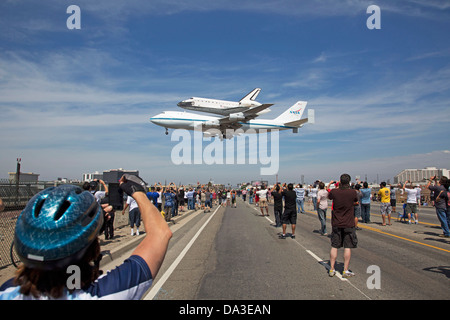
[(167, 131)]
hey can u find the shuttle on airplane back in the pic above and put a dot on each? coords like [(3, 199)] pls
[(223, 107), (245, 120)]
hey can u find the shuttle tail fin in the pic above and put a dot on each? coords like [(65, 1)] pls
[(251, 96)]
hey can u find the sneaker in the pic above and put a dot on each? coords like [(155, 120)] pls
[(282, 236), (331, 272), (293, 236), (347, 274), (137, 232)]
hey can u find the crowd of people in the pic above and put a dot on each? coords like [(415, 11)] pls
[(289, 199), (43, 273)]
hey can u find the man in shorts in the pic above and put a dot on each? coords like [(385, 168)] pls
[(290, 210), (263, 200), (342, 223), (385, 195), (411, 202)]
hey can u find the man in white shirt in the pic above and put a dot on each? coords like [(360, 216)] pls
[(262, 194), (134, 214), (313, 195), (411, 202), (300, 192)]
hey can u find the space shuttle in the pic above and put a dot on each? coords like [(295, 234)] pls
[(223, 107)]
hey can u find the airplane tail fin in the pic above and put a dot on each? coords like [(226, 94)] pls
[(251, 96), (292, 114)]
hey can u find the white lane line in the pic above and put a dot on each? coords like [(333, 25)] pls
[(267, 217), (326, 265), (155, 289)]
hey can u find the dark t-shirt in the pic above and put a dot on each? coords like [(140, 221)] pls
[(343, 207), (277, 199), (442, 202), (289, 199)]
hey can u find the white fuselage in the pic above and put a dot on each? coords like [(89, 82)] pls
[(189, 121), (221, 107)]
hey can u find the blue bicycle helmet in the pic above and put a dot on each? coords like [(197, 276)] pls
[(56, 227)]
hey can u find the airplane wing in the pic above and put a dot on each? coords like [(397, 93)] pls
[(252, 112), (232, 120)]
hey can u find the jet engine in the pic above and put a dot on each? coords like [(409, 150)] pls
[(237, 116), (211, 123)]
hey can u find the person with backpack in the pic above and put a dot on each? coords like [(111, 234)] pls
[(441, 203)]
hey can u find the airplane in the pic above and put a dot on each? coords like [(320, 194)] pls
[(289, 119), (223, 107)]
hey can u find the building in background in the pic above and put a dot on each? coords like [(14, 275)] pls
[(92, 176), (420, 175), (24, 177)]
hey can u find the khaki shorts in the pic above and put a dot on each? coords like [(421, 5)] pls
[(262, 203), (411, 208)]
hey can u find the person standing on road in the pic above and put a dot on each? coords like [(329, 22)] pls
[(233, 198), (169, 203), (290, 212), (263, 200), (385, 196), (342, 223), (277, 205), (365, 202), (300, 198), (358, 206), (440, 203), (411, 202), (208, 204), (393, 197), (313, 195), (322, 205), (134, 215), (190, 199), (46, 255), (153, 196)]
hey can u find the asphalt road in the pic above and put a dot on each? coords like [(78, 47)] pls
[(235, 254)]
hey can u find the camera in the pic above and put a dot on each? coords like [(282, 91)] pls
[(114, 197)]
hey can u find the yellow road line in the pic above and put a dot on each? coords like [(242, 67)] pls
[(395, 236), (427, 223)]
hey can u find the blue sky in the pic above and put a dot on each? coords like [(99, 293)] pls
[(76, 101)]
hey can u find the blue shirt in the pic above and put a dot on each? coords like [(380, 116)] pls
[(153, 196), (190, 194), (365, 199), (169, 196), (129, 281)]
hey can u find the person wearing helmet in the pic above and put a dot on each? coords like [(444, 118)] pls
[(59, 229)]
